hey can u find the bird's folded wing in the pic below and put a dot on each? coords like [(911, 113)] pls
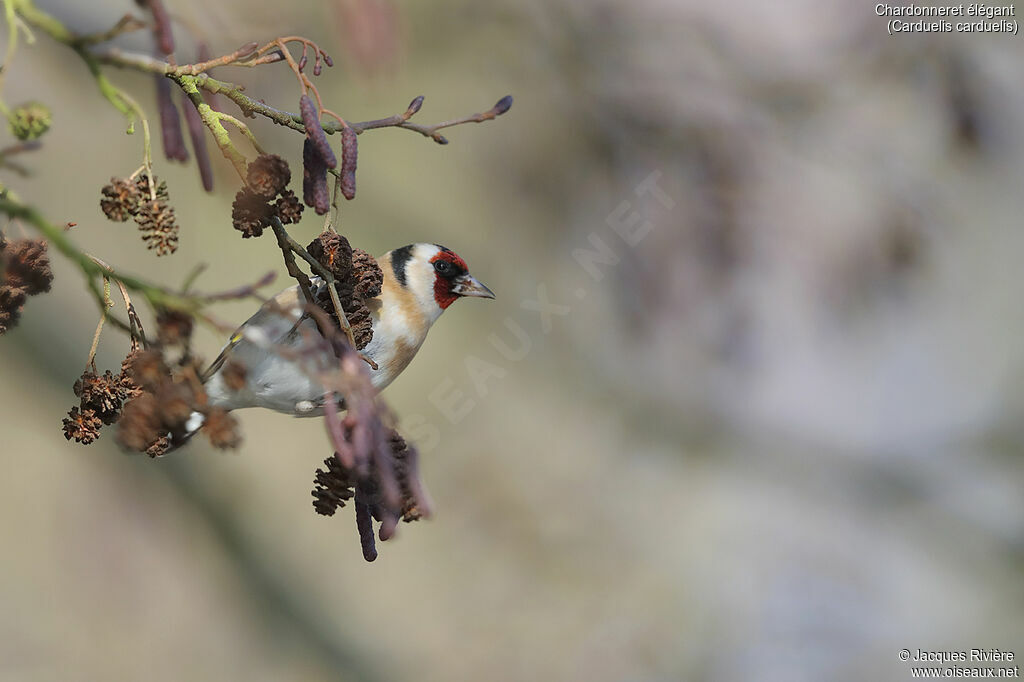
[(272, 317)]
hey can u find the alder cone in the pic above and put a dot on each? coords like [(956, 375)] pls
[(268, 175)]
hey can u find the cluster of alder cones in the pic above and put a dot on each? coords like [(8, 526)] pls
[(24, 271), (357, 279), (145, 199), (264, 196), (150, 399)]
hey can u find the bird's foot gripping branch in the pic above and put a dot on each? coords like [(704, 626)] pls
[(160, 397)]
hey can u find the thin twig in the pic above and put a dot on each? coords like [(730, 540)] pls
[(283, 239), (107, 304), (248, 105), (138, 333), (244, 291), (194, 69), (125, 24)]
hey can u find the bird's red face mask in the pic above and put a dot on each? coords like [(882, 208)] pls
[(452, 279)]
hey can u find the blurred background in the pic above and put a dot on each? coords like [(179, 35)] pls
[(774, 433)]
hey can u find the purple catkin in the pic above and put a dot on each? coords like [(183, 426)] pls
[(364, 522), (314, 179), (197, 132), (349, 157), (315, 131), (161, 26), (170, 122)]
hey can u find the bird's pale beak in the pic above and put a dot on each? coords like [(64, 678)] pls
[(468, 285)]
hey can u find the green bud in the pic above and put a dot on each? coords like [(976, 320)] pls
[(30, 120)]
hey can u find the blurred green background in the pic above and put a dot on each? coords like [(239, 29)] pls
[(778, 439)]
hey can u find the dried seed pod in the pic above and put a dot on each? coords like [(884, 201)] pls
[(174, 327), (120, 199), (147, 369), (315, 131), (155, 418), (268, 175), (175, 404), (250, 213), (357, 277), (142, 182), (129, 387), (349, 157), (159, 446), (222, 429), (139, 427), (368, 274), (332, 486), (26, 266), (101, 393), (333, 251), (11, 303), (158, 225), (362, 325), (170, 123), (82, 425), (314, 179), (288, 207)]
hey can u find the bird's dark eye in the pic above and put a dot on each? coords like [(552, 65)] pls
[(443, 267)]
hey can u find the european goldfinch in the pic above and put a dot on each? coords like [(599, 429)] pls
[(420, 282)]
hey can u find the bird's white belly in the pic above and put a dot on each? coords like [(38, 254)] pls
[(283, 385), (288, 385)]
